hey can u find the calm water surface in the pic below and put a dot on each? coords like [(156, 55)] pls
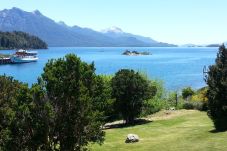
[(177, 67)]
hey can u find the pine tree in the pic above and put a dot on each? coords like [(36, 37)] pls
[(217, 90)]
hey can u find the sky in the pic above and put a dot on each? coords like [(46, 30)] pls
[(172, 21)]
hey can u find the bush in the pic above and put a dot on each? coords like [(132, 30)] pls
[(156, 103), (201, 106), (174, 100), (153, 105), (188, 106), (187, 92)]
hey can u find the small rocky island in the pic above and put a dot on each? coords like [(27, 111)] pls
[(135, 53)]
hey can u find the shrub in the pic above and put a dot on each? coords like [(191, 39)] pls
[(189, 105), (174, 100), (157, 102), (187, 92)]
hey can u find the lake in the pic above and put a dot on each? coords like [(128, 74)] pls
[(177, 67)]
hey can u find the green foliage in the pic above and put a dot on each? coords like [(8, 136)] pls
[(75, 93), (61, 112), (192, 105), (41, 117), (200, 95), (107, 106), (9, 89), (20, 40), (188, 105), (217, 88), (187, 92), (130, 90), (174, 100), (157, 102), (23, 117), (151, 106), (198, 100)]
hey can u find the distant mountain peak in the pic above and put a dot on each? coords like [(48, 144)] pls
[(37, 12), (15, 8), (62, 23), (60, 34), (113, 29), (75, 26)]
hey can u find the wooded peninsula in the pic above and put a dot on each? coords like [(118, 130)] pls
[(20, 40)]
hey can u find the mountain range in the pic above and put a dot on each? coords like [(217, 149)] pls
[(61, 35)]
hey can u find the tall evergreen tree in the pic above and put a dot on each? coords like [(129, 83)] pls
[(217, 90)]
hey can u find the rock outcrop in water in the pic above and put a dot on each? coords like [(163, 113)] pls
[(135, 53)]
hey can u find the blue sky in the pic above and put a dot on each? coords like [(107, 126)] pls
[(173, 21)]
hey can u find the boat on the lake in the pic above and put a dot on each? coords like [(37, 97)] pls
[(24, 56)]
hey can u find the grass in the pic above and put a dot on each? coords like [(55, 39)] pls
[(187, 130)]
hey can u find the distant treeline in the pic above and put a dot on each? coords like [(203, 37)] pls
[(20, 40), (214, 45)]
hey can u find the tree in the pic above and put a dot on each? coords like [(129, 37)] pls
[(40, 119), (217, 90), (9, 89), (60, 112), (24, 114), (187, 92), (130, 90), (71, 89)]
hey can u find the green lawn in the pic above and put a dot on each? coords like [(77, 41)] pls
[(184, 131)]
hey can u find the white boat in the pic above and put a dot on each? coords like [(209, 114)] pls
[(24, 56)]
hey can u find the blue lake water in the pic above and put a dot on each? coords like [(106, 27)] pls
[(177, 67)]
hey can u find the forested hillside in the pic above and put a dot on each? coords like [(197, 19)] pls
[(20, 40)]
